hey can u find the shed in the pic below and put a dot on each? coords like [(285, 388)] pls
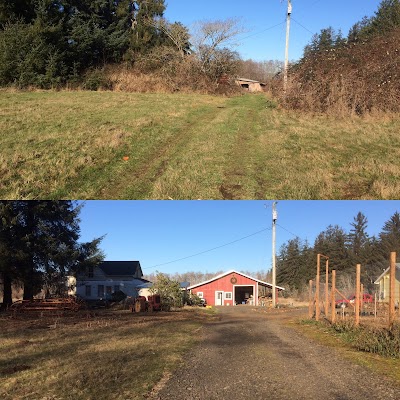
[(250, 85), (384, 284), (232, 288)]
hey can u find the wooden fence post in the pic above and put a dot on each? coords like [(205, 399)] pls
[(311, 300), (392, 279), (357, 299), (327, 289), (317, 309), (333, 310), (362, 298)]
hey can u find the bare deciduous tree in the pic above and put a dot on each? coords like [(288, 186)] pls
[(213, 42), (176, 32)]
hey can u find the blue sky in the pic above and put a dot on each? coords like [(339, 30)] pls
[(261, 41), (157, 232)]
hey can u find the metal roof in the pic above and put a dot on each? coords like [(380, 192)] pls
[(235, 272), (249, 80)]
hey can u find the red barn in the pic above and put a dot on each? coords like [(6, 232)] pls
[(232, 288)]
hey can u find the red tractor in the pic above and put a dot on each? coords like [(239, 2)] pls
[(141, 304)]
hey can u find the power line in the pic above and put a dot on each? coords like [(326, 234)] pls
[(207, 251), (264, 30), (296, 236), (298, 23)]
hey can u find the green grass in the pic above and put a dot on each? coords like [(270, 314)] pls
[(114, 355), (71, 145)]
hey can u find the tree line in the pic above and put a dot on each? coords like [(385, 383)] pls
[(39, 247), (385, 20), (53, 43), (46, 43), (297, 259)]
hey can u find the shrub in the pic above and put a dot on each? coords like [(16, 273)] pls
[(382, 341), (385, 342), (356, 78), (28, 59), (96, 79)]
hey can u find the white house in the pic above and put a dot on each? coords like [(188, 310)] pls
[(384, 284), (107, 278)]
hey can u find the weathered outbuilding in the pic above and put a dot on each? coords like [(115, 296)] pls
[(250, 85)]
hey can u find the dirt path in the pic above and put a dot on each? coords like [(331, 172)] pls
[(251, 354)]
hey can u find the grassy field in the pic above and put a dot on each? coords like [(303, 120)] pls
[(111, 355), (72, 145)]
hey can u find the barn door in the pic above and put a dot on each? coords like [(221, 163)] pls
[(219, 298)]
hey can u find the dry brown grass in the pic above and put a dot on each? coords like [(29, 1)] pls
[(106, 355)]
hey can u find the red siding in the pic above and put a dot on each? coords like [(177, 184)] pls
[(224, 284)]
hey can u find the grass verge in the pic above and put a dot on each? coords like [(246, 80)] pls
[(115, 355), (347, 342), (103, 145)]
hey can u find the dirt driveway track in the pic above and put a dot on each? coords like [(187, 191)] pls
[(250, 354)]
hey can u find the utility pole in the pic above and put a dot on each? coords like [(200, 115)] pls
[(274, 218), (285, 69)]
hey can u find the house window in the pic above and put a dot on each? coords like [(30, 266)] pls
[(108, 289), (228, 295), (90, 272), (116, 288), (88, 291), (100, 291), (200, 294)]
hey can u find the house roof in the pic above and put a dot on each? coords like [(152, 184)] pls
[(385, 272), (236, 272), (120, 268)]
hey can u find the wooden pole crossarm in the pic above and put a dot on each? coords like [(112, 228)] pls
[(321, 255)]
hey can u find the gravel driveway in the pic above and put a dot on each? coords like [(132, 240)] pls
[(250, 354)]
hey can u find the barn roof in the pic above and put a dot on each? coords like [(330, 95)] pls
[(238, 273), (386, 271), (120, 268)]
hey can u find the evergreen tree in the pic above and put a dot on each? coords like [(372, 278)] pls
[(40, 242), (8, 250), (332, 243), (390, 236), (358, 239), (144, 34), (294, 264), (324, 41), (386, 17)]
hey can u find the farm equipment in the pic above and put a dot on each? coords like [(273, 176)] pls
[(141, 304)]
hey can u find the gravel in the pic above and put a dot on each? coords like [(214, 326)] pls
[(249, 353)]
